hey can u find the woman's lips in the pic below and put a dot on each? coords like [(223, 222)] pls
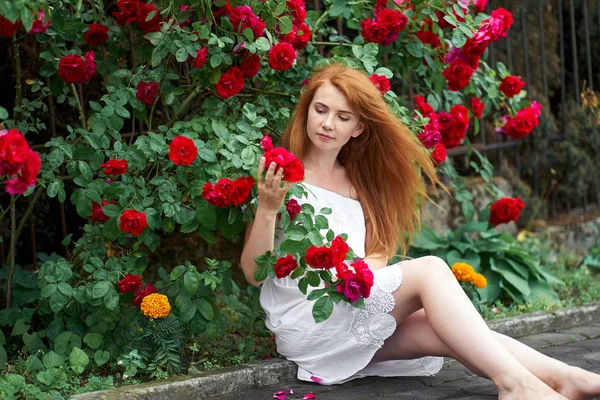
[(324, 137)]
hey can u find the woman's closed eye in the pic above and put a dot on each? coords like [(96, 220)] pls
[(320, 111)]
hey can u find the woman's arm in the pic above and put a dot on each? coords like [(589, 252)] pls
[(260, 234)]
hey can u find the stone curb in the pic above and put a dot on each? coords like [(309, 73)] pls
[(243, 377)]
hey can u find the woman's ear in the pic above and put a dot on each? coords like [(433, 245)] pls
[(360, 128)]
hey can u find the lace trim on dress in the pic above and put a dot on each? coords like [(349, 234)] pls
[(372, 325)]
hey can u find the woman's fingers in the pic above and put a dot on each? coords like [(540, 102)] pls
[(269, 175), (277, 179), (261, 169), (287, 187)]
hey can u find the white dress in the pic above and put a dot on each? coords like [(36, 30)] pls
[(342, 347)]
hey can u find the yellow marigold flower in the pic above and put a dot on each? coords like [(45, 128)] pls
[(463, 271), (479, 281), (155, 305)]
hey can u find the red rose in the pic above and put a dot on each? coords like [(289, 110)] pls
[(243, 17), (282, 56), (299, 36), (505, 210), (285, 265), (241, 190), (97, 213), (200, 58), (394, 20), (38, 24), (381, 82), (523, 123), (339, 248), (442, 23), (182, 150), (453, 126), (458, 75), (505, 16), (431, 132), (319, 257), (293, 170), (146, 92), (477, 45), (511, 86), (266, 143), (218, 195), (423, 106), (293, 208), (299, 9), (142, 292), (230, 83), (477, 106), (461, 115), (355, 284), (133, 221), (428, 37), (13, 152), (73, 68), (141, 17), (374, 32), (438, 155), (114, 167), (250, 65), (130, 283), (96, 35), (28, 174), (127, 11), (7, 28)]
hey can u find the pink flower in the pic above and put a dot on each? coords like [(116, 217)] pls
[(309, 396), (280, 395), (266, 143), (316, 379), (38, 24)]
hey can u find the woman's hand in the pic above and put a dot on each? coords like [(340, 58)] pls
[(270, 192)]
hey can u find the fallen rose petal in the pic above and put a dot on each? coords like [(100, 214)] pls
[(309, 396), (280, 395), (291, 391), (316, 379)]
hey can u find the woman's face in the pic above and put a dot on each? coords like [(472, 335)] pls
[(331, 121)]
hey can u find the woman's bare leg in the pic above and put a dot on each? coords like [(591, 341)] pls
[(429, 283), (415, 338)]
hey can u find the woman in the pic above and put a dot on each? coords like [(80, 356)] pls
[(361, 161)]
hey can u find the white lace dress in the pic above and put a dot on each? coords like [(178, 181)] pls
[(342, 347)]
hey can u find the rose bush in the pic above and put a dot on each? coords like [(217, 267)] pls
[(165, 116)]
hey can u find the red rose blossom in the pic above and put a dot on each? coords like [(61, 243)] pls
[(182, 150), (96, 35), (282, 56), (127, 11), (523, 123), (141, 17), (130, 283), (73, 68), (133, 221), (299, 10), (285, 265), (428, 37), (339, 248), (142, 292), (27, 177), (431, 132), (38, 24), (381, 82), (355, 283), (146, 92), (226, 192), (374, 32), (299, 36), (243, 17), (266, 143), (241, 190), (293, 170), (13, 152), (505, 16), (319, 257), (477, 106), (423, 106), (7, 28), (293, 208), (97, 213), (505, 210), (458, 75), (511, 86), (250, 65), (230, 83), (114, 167), (438, 154), (200, 58)]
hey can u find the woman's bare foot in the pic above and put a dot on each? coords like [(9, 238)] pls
[(527, 387), (579, 384)]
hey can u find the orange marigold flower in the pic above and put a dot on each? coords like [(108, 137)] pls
[(155, 305), (463, 271), (479, 281)]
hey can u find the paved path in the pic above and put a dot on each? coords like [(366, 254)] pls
[(577, 346)]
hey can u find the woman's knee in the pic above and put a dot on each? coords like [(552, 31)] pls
[(432, 267)]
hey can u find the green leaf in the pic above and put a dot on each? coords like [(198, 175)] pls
[(20, 327), (65, 289), (111, 210), (181, 55), (313, 278), (3, 113), (321, 222), (303, 285), (94, 340), (49, 290), (296, 233), (505, 270), (205, 309), (285, 24), (191, 281), (322, 309), (65, 342), (52, 360), (78, 360), (262, 44), (206, 214), (177, 272), (101, 357), (57, 302), (215, 60), (317, 293), (100, 289), (261, 273)]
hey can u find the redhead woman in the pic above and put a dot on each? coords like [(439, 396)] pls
[(363, 163)]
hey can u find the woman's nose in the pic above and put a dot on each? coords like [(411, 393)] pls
[(328, 123)]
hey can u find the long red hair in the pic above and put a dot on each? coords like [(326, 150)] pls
[(384, 164)]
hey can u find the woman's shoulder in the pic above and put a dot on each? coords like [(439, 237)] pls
[(338, 185)]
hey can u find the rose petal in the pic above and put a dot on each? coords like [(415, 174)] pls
[(309, 396), (291, 391), (316, 379), (279, 395)]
